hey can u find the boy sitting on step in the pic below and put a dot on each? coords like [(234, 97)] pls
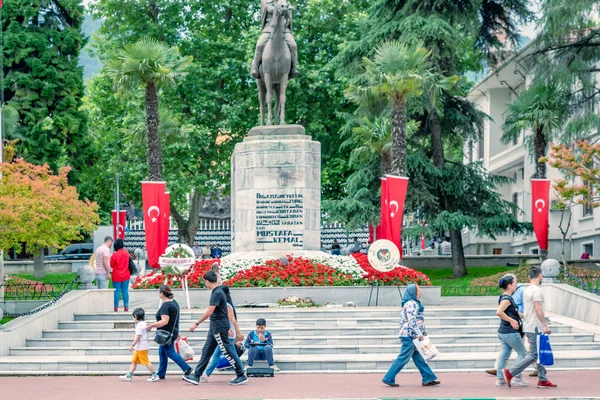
[(259, 343)]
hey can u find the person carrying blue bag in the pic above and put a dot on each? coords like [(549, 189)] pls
[(534, 324)]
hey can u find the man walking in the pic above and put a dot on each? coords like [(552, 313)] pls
[(218, 333), (102, 267), (535, 322)]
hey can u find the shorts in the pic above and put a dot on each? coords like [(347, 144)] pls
[(140, 357)]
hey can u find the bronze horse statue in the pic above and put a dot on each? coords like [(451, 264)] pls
[(275, 68)]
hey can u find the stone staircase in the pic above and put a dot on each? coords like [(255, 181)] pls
[(306, 340)]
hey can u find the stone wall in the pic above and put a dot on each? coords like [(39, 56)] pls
[(359, 295), (26, 266)]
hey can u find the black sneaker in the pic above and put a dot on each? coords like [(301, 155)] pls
[(240, 380), (162, 377), (192, 378), (189, 371)]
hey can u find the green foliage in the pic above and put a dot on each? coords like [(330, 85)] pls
[(43, 81)]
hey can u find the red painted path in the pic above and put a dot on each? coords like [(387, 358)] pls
[(572, 384)]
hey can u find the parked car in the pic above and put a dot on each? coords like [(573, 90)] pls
[(78, 251)]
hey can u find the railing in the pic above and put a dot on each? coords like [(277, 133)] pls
[(37, 290), (470, 291)]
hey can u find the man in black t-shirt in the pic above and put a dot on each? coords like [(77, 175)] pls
[(218, 333)]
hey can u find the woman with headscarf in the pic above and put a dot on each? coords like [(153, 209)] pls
[(411, 327)]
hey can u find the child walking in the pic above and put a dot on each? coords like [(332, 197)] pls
[(140, 347)]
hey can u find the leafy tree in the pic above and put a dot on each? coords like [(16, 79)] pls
[(40, 209), (541, 109), (397, 74), (43, 81), (580, 165), (153, 65)]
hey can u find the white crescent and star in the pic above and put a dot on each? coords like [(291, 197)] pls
[(153, 208), (394, 203), (540, 207)]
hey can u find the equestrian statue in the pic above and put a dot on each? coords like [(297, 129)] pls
[(275, 59)]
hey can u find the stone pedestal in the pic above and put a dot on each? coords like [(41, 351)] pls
[(276, 193)]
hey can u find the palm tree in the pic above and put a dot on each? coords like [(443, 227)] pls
[(151, 64), (397, 74), (541, 108)]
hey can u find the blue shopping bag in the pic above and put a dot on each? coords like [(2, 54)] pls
[(545, 356)]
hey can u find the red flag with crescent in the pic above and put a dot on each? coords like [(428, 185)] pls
[(540, 202), (382, 229), (165, 224), (153, 194), (119, 228), (396, 189)]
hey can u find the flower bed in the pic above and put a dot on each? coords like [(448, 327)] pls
[(20, 288), (352, 270)]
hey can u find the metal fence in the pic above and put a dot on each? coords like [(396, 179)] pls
[(470, 291), (37, 290)]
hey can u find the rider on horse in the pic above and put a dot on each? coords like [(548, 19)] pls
[(267, 7)]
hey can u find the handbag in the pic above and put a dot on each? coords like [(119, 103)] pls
[(183, 348), (545, 356), (427, 349), (164, 338), (512, 301), (132, 267)]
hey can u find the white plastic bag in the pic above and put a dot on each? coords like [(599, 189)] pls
[(184, 349), (427, 349)]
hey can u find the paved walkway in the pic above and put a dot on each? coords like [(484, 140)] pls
[(582, 384)]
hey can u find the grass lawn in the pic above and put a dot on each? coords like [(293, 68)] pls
[(5, 320), (460, 286), (49, 278)]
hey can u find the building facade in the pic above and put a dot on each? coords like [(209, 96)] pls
[(492, 94)]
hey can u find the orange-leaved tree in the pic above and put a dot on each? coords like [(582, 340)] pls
[(580, 165), (40, 209)]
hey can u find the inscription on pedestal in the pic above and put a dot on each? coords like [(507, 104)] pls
[(280, 219)]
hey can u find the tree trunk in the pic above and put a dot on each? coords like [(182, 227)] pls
[(540, 145), (186, 229), (399, 143), (385, 164), (155, 161), (436, 140), (1, 275), (459, 265), (38, 265)]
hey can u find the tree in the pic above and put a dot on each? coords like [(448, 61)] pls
[(580, 165), (153, 65), (40, 209), (397, 74), (541, 108), (44, 83)]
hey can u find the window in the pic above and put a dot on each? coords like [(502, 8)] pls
[(523, 174), (497, 251), (515, 140), (534, 250), (587, 207), (515, 200), (589, 248)]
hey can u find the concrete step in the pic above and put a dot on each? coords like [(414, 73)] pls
[(301, 341), (323, 362), (297, 331), (300, 322), (123, 349), (304, 313)]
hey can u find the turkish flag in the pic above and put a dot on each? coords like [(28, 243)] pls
[(165, 225), (382, 229), (153, 194), (396, 189), (540, 202), (119, 229)]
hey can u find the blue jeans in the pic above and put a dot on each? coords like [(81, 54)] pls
[(510, 342), (407, 352), (261, 353), (121, 288), (217, 355), (102, 281), (530, 358), (166, 352)]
